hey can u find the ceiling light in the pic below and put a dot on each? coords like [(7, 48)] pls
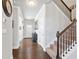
[(31, 3)]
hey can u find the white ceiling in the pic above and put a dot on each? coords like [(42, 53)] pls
[(31, 12)]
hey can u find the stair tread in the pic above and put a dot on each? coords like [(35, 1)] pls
[(51, 53), (54, 46)]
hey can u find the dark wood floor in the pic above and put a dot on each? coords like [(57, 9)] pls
[(29, 50)]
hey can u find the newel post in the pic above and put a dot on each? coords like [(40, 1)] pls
[(57, 35)]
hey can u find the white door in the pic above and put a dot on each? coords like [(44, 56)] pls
[(29, 30)]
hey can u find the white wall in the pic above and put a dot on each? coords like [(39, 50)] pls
[(18, 27), (50, 20), (55, 21), (41, 26), (6, 36)]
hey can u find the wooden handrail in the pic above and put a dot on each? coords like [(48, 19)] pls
[(65, 5), (68, 9), (67, 27)]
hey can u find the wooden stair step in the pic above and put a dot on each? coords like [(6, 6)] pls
[(55, 45), (54, 48), (51, 53)]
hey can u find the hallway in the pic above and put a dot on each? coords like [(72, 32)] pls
[(29, 50)]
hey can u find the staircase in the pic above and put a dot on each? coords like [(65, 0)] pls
[(66, 40)]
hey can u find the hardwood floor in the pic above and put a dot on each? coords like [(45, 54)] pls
[(29, 50)]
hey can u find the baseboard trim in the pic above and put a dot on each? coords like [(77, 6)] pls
[(28, 38), (16, 47)]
